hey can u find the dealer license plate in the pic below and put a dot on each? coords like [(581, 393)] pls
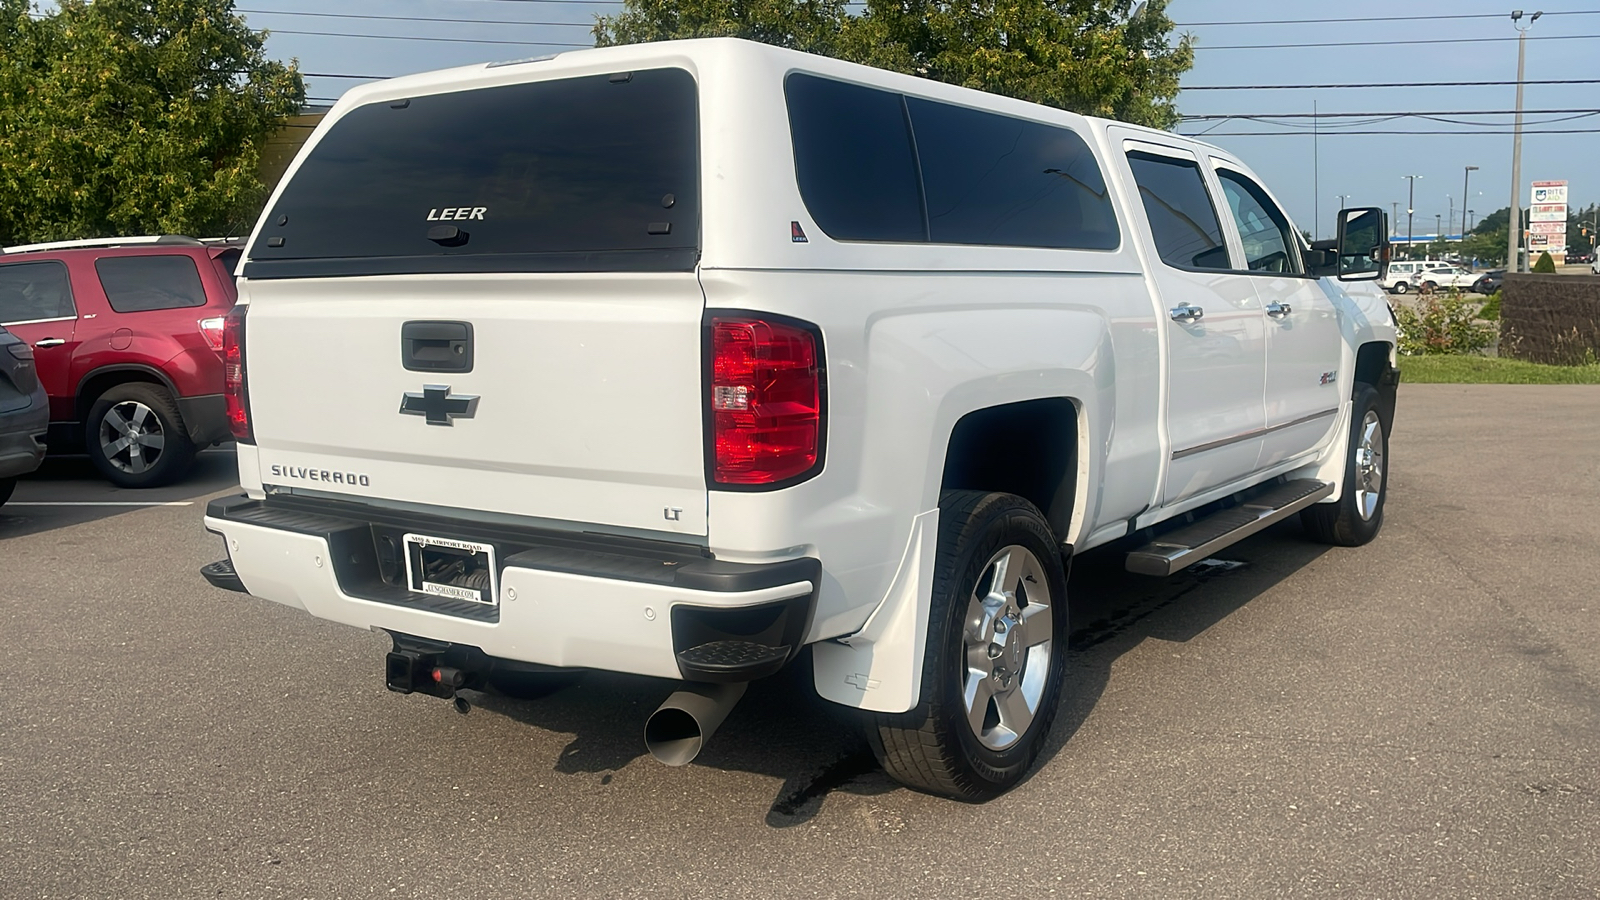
[(452, 569)]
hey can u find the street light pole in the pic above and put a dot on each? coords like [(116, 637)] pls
[(1465, 180), (1394, 218), (1513, 261), (1411, 213)]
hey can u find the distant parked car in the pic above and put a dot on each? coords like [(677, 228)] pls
[(1489, 282), (24, 413), (1425, 275), (127, 337)]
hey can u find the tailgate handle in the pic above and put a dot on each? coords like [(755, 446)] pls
[(436, 346)]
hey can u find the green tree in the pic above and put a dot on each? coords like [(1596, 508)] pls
[(134, 116), (1088, 56), (1545, 265)]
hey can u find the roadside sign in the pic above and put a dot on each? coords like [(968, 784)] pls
[(1550, 192), (1538, 241), (1547, 227), (1548, 212)]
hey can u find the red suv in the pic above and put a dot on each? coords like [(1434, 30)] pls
[(127, 335)]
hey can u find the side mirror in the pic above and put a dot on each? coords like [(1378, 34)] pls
[(1362, 245)]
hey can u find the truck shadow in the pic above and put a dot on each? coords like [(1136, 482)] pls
[(782, 729)]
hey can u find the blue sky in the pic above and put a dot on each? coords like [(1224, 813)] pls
[(1367, 167)]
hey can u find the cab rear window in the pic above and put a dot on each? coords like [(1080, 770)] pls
[(598, 173)]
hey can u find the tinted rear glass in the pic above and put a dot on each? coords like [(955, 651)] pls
[(578, 174), (853, 160), (1183, 220), (993, 179), (142, 283), (36, 290)]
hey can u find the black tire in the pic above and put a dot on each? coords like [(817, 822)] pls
[(932, 747), (1402, 288), (1348, 523), (7, 485), (522, 684), (155, 466)]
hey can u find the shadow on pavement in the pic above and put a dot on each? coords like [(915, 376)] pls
[(74, 480), (782, 729)]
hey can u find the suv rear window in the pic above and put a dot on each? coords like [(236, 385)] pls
[(144, 283), (599, 173)]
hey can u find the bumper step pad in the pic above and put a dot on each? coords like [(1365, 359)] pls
[(727, 661), (222, 575), (1186, 546)]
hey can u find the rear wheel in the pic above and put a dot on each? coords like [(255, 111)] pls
[(136, 437), (1356, 517), (1402, 288), (997, 636)]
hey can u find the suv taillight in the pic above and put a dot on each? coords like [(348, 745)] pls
[(766, 401), (233, 375), (211, 329)]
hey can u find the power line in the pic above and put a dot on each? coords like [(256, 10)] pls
[(1586, 12), (1378, 84), (1487, 40), (401, 37), (278, 12), (1363, 115), (1301, 134)]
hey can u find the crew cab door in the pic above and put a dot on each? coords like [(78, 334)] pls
[(1215, 329), (1301, 324)]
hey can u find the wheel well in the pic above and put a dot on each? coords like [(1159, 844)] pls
[(99, 382), (1372, 367), (1029, 449)]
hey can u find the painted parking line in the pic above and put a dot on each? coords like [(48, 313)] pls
[(103, 503)]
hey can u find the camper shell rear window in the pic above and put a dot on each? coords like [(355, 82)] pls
[(599, 173)]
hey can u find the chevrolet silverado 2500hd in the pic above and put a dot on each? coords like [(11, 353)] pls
[(683, 359)]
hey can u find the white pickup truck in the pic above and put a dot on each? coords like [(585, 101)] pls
[(687, 359)]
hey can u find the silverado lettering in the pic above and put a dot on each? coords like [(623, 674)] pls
[(304, 474)]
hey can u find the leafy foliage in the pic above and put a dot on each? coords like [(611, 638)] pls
[(1442, 323), (134, 116), (1491, 308), (1087, 56), (1544, 265)]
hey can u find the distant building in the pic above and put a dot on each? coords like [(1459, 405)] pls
[(284, 143)]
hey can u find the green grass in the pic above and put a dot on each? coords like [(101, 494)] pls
[(1490, 370)]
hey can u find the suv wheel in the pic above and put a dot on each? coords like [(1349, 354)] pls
[(136, 438), (997, 638), (1402, 288), (1356, 517)]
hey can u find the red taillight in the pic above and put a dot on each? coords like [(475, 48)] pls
[(233, 375), (766, 401), (211, 330)]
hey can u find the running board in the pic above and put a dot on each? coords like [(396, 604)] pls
[(1179, 549)]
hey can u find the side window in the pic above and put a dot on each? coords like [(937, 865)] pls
[(995, 180), (853, 160), (35, 290), (1269, 244), (143, 283), (1182, 219)]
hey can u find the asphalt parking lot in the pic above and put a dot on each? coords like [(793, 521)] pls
[(1417, 718)]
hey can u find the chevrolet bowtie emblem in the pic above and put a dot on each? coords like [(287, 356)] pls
[(437, 405)]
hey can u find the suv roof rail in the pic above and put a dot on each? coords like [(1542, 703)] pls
[(180, 239)]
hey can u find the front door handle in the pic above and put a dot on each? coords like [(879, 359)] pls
[(1279, 310), (50, 342), (1186, 314)]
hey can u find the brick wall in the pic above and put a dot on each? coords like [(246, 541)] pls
[(1553, 319)]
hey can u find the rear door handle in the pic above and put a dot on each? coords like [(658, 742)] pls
[(50, 342), (1279, 310), (1186, 314)]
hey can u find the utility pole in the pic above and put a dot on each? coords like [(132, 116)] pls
[(1316, 176), (1394, 218), (1513, 261), (1465, 180), (1452, 217), (1438, 235), (1411, 212)]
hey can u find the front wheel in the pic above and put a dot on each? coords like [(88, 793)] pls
[(1356, 517), (1402, 288), (135, 437), (997, 638)]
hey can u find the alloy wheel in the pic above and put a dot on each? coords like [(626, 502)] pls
[(1006, 654), (131, 437)]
